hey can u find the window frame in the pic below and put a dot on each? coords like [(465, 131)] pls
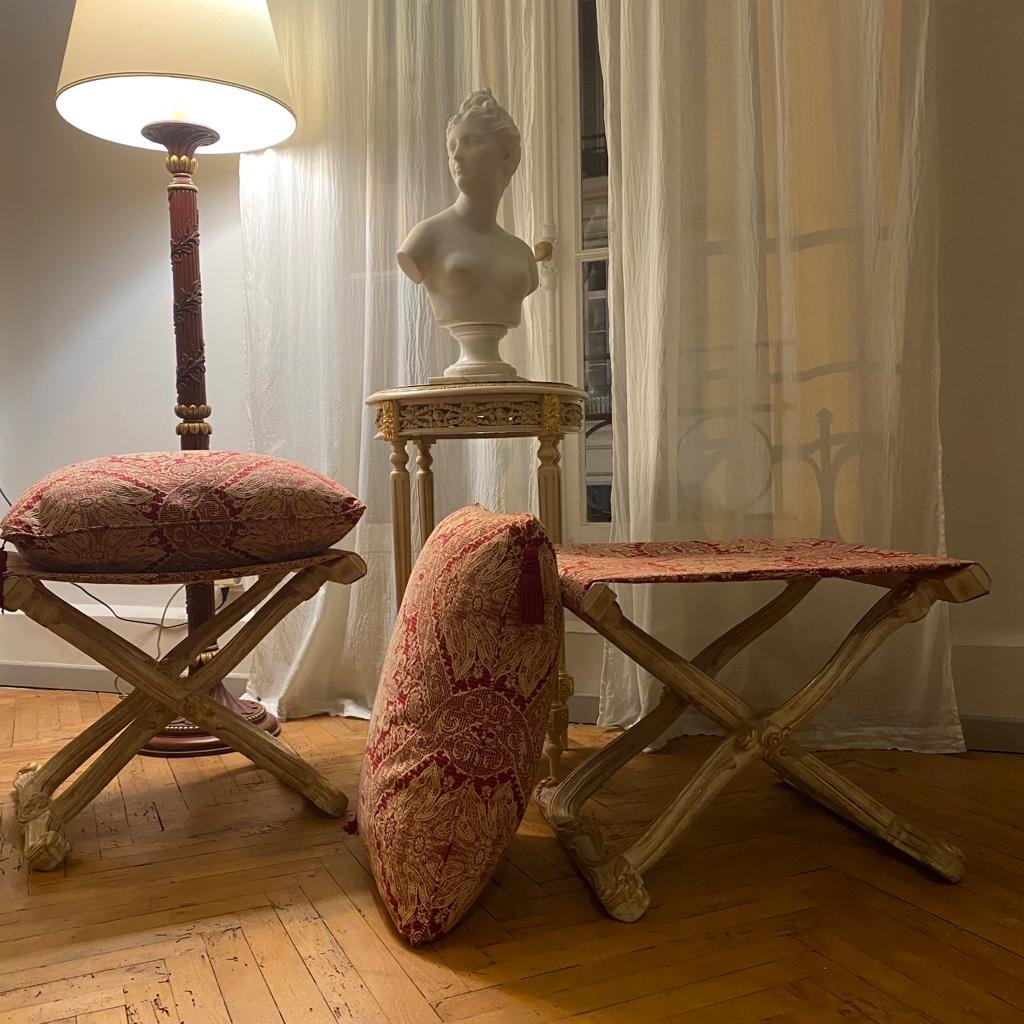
[(569, 260)]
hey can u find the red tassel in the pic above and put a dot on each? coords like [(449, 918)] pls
[(3, 572), (531, 587)]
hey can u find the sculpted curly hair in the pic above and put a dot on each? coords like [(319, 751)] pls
[(495, 120)]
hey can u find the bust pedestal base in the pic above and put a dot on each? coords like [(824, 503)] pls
[(479, 360), (479, 378)]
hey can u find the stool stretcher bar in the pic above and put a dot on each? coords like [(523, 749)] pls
[(161, 693), (912, 584)]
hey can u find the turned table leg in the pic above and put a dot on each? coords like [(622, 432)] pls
[(401, 519), (425, 489), (549, 496)]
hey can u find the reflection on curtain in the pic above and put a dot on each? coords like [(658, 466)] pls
[(774, 346), (330, 319)]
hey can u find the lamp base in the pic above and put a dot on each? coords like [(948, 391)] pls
[(183, 739), (181, 140)]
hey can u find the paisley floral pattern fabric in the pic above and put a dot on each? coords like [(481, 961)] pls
[(458, 722), (760, 558), (161, 512)]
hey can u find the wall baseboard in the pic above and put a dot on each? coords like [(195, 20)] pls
[(34, 658), (43, 675), (47, 675), (583, 708), (1002, 735)]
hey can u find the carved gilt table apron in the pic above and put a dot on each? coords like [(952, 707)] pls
[(424, 414)]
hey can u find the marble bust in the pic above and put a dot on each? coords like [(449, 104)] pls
[(475, 273)]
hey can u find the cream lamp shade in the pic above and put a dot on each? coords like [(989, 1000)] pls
[(213, 63)]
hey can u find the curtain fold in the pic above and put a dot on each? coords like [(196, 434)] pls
[(329, 318), (772, 308)]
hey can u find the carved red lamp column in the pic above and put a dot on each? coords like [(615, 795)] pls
[(180, 76), (181, 738)]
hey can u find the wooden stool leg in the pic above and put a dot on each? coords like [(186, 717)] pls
[(730, 757), (34, 784), (561, 803), (268, 752), (46, 843), (567, 799), (617, 878), (825, 786), (183, 698), (617, 885), (158, 698)]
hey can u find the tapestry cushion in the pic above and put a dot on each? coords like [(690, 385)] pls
[(459, 718), (752, 558), (178, 511)]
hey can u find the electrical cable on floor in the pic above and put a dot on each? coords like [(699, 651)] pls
[(10, 504)]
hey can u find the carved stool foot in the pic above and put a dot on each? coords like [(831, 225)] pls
[(31, 799), (612, 877), (46, 845)]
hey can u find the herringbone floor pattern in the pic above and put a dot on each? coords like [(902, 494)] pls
[(203, 892)]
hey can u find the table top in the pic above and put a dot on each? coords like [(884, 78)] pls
[(459, 391)]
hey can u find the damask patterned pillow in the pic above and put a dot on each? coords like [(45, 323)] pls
[(176, 511), (458, 722)]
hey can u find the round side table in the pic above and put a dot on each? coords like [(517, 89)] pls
[(425, 414)]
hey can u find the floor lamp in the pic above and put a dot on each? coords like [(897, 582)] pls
[(178, 76)]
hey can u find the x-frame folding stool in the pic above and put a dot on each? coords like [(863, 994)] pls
[(912, 583), (161, 693)]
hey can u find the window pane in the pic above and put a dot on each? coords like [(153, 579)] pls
[(593, 149), (597, 373)]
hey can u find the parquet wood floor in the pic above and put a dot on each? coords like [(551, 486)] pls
[(202, 892)]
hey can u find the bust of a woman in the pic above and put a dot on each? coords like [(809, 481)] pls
[(475, 273)]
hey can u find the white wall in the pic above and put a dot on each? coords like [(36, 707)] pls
[(981, 321), (86, 336), (87, 342)]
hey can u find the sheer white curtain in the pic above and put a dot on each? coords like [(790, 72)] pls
[(330, 319), (774, 347)]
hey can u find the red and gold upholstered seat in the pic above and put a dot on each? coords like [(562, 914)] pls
[(759, 558)]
